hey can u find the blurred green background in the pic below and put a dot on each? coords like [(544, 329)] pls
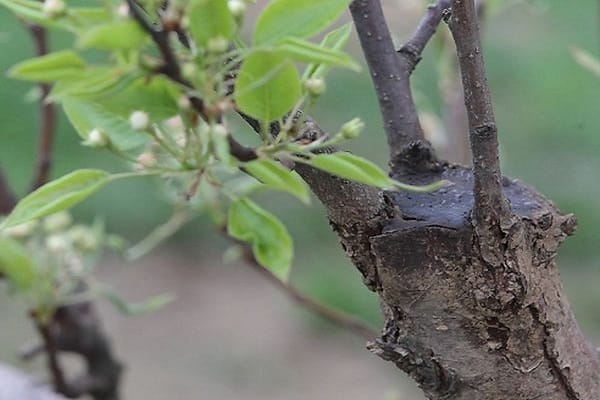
[(548, 111)]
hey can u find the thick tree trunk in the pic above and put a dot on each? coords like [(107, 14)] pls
[(473, 304), (462, 327)]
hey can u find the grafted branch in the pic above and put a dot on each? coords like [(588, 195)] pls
[(491, 207), (390, 77)]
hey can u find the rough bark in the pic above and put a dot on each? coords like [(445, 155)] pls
[(473, 304)]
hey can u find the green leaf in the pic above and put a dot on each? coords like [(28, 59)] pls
[(210, 19), (16, 264), (57, 195), (136, 309), (268, 85), (92, 82), (27, 9), (297, 18), (334, 40), (120, 35), (301, 50), (360, 170), (352, 167), (271, 243), (86, 115), (275, 175), (49, 68)]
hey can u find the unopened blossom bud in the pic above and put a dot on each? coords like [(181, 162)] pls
[(217, 44), (237, 8), (96, 138), (315, 86), (54, 8), (146, 160), (139, 120), (57, 222), (123, 10), (57, 243), (352, 128)]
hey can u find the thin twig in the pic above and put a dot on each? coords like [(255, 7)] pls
[(47, 115), (390, 79), (332, 315), (491, 206), (410, 52), (7, 197)]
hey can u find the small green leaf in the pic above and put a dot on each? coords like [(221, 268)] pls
[(271, 243), (27, 9), (334, 40), (86, 116), (352, 167), (49, 68), (120, 35), (210, 19), (57, 195), (268, 85), (136, 309), (296, 18), (360, 170), (92, 82), (275, 175), (16, 264), (301, 50)]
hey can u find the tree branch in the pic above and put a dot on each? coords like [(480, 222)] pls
[(390, 75), (491, 206), (75, 328), (337, 318), (47, 114), (7, 197), (410, 52)]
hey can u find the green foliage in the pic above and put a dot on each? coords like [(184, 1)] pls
[(57, 195), (119, 35), (293, 18), (334, 40), (278, 177), (16, 264), (301, 50), (210, 19), (86, 116), (49, 68), (271, 243), (163, 106), (268, 86)]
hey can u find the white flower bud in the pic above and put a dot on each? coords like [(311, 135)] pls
[(139, 120), (22, 230), (57, 243), (123, 10), (184, 103), (83, 238), (237, 8), (146, 160), (189, 70), (54, 8), (219, 129), (217, 44), (352, 128), (57, 222), (96, 138), (315, 86)]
